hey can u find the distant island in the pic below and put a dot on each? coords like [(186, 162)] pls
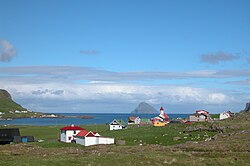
[(144, 108)]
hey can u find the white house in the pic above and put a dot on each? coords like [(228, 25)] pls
[(88, 138), (225, 115), (68, 133), (117, 125), (134, 120)]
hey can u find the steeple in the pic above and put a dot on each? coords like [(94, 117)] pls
[(161, 110)]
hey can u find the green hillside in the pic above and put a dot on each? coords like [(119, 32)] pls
[(7, 104), (144, 145), (10, 109)]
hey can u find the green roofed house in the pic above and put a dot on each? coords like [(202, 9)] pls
[(117, 125), (145, 121)]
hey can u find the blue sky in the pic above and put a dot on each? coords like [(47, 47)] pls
[(107, 56)]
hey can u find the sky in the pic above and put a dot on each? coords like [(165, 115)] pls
[(96, 56)]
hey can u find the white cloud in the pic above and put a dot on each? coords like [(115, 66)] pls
[(121, 93), (56, 88)]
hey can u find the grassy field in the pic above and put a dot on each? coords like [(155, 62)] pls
[(158, 147)]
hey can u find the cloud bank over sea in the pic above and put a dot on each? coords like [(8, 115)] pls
[(86, 89)]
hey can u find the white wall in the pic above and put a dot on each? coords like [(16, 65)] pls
[(224, 115), (115, 127), (104, 140), (69, 133), (137, 121), (63, 137), (80, 140), (88, 141)]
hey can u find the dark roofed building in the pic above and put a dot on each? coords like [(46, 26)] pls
[(7, 135)]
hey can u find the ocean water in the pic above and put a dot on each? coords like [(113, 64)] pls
[(98, 118)]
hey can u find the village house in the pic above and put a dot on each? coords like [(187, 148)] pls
[(200, 116), (117, 125), (145, 121), (134, 120), (225, 115), (68, 133), (88, 138)]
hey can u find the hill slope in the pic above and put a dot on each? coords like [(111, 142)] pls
[(7, 104), (10, 109)]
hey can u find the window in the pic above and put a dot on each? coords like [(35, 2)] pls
[(74, 132)]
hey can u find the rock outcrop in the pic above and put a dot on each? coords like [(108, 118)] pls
[(247, 107)]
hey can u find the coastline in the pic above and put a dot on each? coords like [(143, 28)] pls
[(80, 119)]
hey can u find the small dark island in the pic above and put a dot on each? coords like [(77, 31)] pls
[(144, 108)]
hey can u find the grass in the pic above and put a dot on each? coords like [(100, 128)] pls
[(158, 147), (133, 135)]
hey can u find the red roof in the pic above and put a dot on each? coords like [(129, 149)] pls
[(202, 112), (161, 108), (85, 133), (72, 127)]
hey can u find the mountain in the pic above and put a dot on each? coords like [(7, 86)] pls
[(144, 108), (10, 109)]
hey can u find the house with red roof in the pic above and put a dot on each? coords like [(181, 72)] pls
[(81, 136), (200, 116), (68, 133), (88, 138)]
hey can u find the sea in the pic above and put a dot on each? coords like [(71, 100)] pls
[(98, 118)]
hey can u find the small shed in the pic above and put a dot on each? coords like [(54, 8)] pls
[(117, 125), (145, 121), (7, 135), (68, 133), (23, 139)]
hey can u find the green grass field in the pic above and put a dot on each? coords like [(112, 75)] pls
[(232, 147)]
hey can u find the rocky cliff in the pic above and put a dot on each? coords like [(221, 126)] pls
[(247, 107)]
